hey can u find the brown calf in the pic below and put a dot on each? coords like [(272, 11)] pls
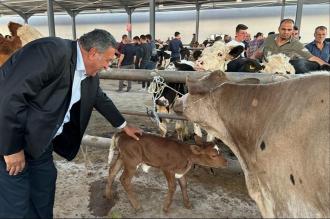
[(174, 158)]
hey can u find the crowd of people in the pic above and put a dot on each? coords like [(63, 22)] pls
[(141, 52)]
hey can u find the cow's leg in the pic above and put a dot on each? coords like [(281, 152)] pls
[(162, 124), (198, 131), (210, 137), (113, 171), (186, 130), (125, 180), (170, 177), (162, 129), (183, 186), (179, 128)]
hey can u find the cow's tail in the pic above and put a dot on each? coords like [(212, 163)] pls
[(113, 145)]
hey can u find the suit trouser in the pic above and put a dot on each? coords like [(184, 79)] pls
[(31, 193)]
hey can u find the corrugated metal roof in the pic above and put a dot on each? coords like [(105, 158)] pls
[(27, 8)]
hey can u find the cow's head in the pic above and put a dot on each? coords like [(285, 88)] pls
[(217, 56), (13, 27), (278, 64)]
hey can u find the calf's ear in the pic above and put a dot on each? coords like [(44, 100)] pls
[(196, 149)]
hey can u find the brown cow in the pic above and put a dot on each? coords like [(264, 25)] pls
[(174, 158), (279, 133), (20, 35)]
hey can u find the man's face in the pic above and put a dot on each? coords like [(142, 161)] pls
[(320, 35), (285, 30), (96, 61), (240, 35), (295, 34)]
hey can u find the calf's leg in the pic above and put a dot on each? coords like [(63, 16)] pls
[(170, 177), (113, 171), (125, 180), (183, 186)]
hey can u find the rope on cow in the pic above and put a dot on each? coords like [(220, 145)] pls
[(156, 88)]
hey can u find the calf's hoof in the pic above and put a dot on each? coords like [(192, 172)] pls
[(166, 210), (138, 210), (188, 205), (137, 207)]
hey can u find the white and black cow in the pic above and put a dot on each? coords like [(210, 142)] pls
[(165, 102)]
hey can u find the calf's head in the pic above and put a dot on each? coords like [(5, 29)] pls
[(209, 155)]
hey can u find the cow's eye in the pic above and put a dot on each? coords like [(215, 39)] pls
[(219, 54)]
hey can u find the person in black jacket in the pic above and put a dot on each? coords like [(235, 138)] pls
[(48, 91)]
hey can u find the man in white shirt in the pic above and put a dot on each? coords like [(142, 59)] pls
[(241, 33)]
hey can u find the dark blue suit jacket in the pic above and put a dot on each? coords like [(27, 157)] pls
[(35, 92)]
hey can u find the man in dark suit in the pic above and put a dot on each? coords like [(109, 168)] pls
[(48, 91)]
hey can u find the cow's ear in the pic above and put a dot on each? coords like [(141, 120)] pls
[(195, 149), (236, 51), (249, 81)]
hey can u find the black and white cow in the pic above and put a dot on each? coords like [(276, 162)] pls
[(166, 100)]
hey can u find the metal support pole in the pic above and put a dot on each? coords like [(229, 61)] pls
[(26, 19), (283, 10), (300, 4), (129, 13), (197, 20), (74, 32), (152, 18), (50, 14)]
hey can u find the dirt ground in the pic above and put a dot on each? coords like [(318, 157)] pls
[(81, 182)]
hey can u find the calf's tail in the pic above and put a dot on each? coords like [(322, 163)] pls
[(113, 145)]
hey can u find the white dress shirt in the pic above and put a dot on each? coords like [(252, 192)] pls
[(79, 76)]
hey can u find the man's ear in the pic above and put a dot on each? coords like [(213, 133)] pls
[(92, 52), (195, 149)]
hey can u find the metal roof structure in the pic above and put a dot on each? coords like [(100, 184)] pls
[(26, 8)]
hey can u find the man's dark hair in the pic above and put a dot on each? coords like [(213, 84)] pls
[(320, 28), (124, 36), (295, 27), (176, 33), (217, 38), (241, 27), (271, 33), (286, 20), (258, 35), (148, 36), (136, 38), (99, 39), (143, 37)]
